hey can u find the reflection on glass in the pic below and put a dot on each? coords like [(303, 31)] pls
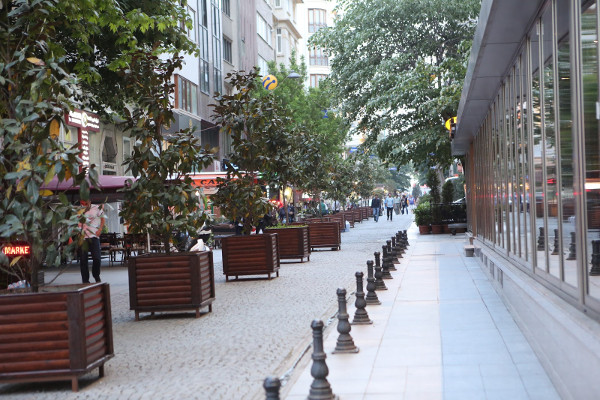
[(541, 234), (567, 201), (550, 149), (589, 38)]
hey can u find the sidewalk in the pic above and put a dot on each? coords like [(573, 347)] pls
[(441, 332)]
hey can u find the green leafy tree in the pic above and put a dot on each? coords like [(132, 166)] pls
[(447, 192), (398, 66), (57, 55), (260, 140), (416, 191), (162, 199)]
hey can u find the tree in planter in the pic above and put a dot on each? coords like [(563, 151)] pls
[(447, 197), (162, 199), (433, 182), (423, 214), (57, 55), (258, 127)]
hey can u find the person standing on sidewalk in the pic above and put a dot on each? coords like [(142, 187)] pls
[(375, 206), (94, 222), (389, 206)]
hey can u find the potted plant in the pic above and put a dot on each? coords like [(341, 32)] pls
[(433, 181), (423, 217), (447, 197), (261, 143), (162, 200)]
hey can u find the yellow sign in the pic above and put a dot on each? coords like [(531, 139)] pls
[(450, 121)]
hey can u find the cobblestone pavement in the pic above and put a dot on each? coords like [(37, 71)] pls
[(257, 328)]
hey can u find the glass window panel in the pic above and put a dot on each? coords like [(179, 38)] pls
[(589, 44), (550, 149), (567, 200), (536, 114)]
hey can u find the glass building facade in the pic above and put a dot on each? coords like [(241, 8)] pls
[(528, 130), (533, 167)]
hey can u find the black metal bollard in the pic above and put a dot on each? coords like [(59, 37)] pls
[(555, 251), (392, 254), (405, 235), (397, 246), (541, 244), (371, 298), (572, 249), (272, 384), (400, 238), (344, 343), (595, 270), (361, 317), (320, 388), (379, 283), (385, 264)]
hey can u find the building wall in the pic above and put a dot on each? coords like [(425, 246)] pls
[(318, 67), (533, 178)]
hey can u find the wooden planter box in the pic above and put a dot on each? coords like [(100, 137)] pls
[(55, 335), (176, 282), (325, 234), (292, 242), (340, 219), (424, 229), (250, 255)]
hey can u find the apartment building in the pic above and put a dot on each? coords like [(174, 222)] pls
[(313, 15)]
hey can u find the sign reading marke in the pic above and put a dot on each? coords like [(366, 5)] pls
[(14, 250), (84, 122)]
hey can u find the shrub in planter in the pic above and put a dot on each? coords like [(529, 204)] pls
[(423, 217)]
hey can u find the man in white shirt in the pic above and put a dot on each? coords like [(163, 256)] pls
[(389, 206), (91, 230)]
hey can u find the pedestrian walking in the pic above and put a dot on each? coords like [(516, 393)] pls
[(375, 206), (389, 206), (411, 203), (92, 228), (404, 204)]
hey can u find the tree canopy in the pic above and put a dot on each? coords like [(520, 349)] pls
[(398, 68)]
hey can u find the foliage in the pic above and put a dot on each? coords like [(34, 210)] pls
[(423, 214), (261, 142), (398, 66), (162, 199), (447, 192), (55, 56), (318, 134), (285, 226), (416, 191), (433, 182)]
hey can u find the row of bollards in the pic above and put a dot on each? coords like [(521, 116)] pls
[(572, 255), (320, 389)]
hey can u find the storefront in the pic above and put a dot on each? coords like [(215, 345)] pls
[(528, 126)]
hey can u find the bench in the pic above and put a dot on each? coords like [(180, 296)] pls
[(469, 250), (455, 227), (220, 231)]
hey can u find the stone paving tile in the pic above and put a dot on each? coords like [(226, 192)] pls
[(257, 328)]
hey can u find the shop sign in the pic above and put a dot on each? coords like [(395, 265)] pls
[(15, 250), (84, 122)]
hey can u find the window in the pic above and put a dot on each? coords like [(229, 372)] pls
[(187, 95), (191, 33), (316, 19), (226, 7), (318, 57), (216, 30), (204, 54), (315, 79), (279, 41), (263, 29), (278, 3), (227, 53), (262, 64)]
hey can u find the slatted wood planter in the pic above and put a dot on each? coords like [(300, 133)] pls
[(325, 234), (349, 217), (250, 255), (293, 242), (176, 282), (55, 335), (340, 219), (357, 215), (366, 212)]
